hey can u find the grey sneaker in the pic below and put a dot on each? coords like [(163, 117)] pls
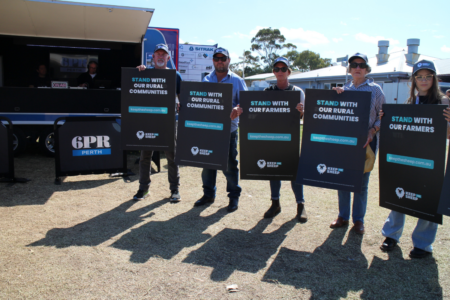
[(140, 195), (175, 196)]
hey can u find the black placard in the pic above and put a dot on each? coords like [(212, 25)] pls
[(412, 159), (334, 133), (89, 145), (148, 109), (6, 149), (269, 135), (444, 202), (204, 125)]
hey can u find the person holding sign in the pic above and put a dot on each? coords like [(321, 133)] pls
[(281, 69), (424, 90), (160, 57), (359, 68), (222, 74)]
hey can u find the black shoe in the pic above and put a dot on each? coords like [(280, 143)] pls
[(388, 244), (203, 200), (140, 195), (233, 206), (175, 196), (418, 253), (302, 217), (274, 210)]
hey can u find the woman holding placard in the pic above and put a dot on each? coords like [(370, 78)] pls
[(424, 90), (359, 67)]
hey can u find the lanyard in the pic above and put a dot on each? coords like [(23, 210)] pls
[(417, 99)]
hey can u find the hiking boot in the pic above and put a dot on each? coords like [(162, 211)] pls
[(302, 217), (175, 196), (140, 195), (274, 210)]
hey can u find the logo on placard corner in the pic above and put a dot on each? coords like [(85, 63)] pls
[(261, 163), (191, 48), (400, 192), (408, 195), (140, 135), (91, 145), (321, 168), (196, 150)]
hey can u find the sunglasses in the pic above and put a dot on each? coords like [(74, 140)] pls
[(283, 69), (428, 77), (355, 65), (222, 58)]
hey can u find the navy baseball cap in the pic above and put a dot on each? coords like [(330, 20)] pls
[(358, 55), (221, 50), (283, 60), (423, 65), (162, 47)]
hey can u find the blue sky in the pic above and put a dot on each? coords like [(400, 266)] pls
[(330, 28)]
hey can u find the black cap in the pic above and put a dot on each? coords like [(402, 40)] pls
[(221, 50), (423, 65), (283, 60), (358, 55), (162, 47)]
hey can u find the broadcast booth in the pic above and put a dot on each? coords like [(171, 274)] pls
[(64, 59)]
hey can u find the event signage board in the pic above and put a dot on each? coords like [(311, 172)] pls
[(87, 145), (334, 133), (6, 149), (204, 125), (412, 159), (148, 109), (195, 61), (444, 202), (269, 135)]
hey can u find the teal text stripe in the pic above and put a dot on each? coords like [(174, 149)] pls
[(410, 161), (147, 110), (333, 139), (283, 137), (204, 125)]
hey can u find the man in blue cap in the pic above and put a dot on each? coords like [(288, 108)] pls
[(222, 74), (161, 56)]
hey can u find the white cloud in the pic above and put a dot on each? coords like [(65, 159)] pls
[(337, 40), (211, 41), (303, 37), (234, 56), (345, 34), (374, 39), (445, 49), (181, 41), (396, 49), (438, 36), (342, 23)]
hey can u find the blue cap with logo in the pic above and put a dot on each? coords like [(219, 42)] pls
[(162, 47), (221, 50), (424, 65), (359, 55), (283, 60)]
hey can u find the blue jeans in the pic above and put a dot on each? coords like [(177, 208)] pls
[(275, 186), (232, 174), (359, 202), (423, 235)]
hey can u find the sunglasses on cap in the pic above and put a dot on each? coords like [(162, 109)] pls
[(354, 65), (282, 69), (222, 58)]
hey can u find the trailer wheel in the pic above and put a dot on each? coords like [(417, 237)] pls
[(47, 142), (19, 141)]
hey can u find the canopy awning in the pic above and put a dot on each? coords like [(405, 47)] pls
[(73, 20)]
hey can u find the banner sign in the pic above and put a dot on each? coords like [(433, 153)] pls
[(195, 61), (155, 36), (269, 135), (6, 149), (412, 159), (148, 109), (204, 125), (334, 133), (444, 202), (88, 145)]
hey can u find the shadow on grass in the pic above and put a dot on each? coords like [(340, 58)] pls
[(99, 229), (166, 239), (234, 249), (333, 270)]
